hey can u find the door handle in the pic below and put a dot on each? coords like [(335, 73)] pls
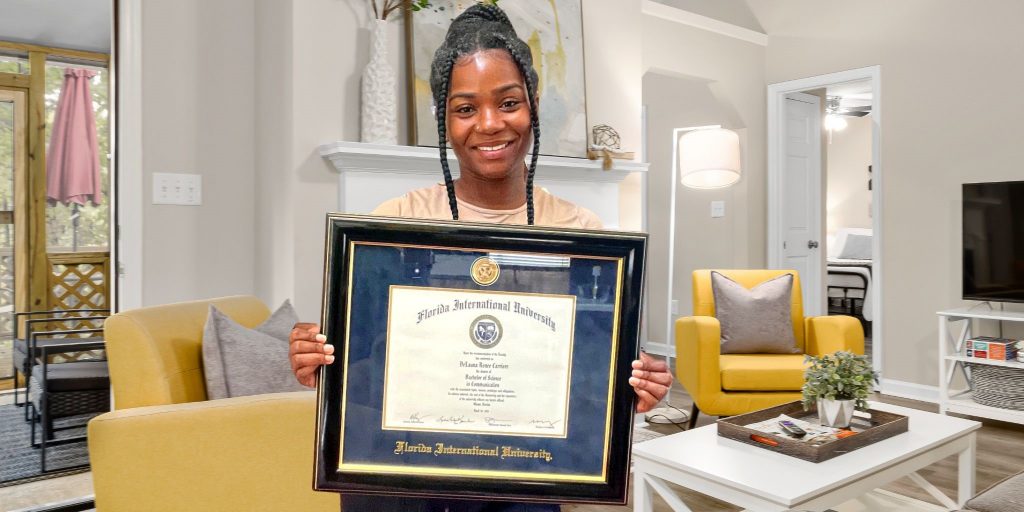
[(812, 244)]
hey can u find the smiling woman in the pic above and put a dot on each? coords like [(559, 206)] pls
[(489, 127), (484, 86)]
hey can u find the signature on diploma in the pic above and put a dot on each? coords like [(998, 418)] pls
[(545, 423), (494, 422), (456, 420), (417, 418)]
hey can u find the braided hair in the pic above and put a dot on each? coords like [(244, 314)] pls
[(482, 27)]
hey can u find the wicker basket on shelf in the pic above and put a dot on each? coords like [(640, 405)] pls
[(998, 386)]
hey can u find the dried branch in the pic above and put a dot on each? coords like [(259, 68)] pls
[(391, 6)]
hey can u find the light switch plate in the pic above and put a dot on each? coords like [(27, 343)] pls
[(179, 189), (717, 209)]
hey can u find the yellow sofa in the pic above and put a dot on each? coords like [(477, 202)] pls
[(166, 447), (730, 384)]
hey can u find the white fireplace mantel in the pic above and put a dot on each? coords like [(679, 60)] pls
[(369, 174)]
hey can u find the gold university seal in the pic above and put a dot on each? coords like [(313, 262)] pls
[(484, 271)]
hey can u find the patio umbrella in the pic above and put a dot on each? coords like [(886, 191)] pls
[(72, 163)]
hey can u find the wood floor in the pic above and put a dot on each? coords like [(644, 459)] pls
[(1000, 453)]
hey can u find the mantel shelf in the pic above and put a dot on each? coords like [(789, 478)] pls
[(369, 174), (362, 157)]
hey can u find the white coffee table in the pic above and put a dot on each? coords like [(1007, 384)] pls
[(761, 480)]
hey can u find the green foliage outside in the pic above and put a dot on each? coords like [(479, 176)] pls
[(842, 376), (94, 221), (6, 172)]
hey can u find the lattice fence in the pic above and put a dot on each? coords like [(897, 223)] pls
[(78, 281)]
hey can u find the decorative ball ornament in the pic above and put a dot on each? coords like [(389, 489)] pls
[(606, 137)]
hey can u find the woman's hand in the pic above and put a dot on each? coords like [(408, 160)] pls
[(307, 350), (651, 380)]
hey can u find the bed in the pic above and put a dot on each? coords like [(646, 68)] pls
[(849, 273)]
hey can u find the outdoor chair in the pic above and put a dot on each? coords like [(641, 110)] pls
[(23, 359), (61, 390)]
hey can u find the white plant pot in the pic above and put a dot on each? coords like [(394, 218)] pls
[(379, 115), (835, 413)]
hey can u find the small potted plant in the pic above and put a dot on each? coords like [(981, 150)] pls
[(838, 384)]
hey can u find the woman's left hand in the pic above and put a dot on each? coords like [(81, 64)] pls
[(651, 380)]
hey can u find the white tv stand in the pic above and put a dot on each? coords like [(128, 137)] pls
[(952, 359)]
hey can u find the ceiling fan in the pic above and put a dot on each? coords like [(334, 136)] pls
[(834, 105)]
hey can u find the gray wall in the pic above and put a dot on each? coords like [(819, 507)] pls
[(198, 115), (696, 78), (950, 77)]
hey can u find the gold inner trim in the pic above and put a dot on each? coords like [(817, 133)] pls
[(491, 474)]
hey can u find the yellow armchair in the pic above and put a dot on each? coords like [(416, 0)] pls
[(168, 448), (731, 384)]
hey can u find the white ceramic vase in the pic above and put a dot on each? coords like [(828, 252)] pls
[(835, 413), (379, 116)]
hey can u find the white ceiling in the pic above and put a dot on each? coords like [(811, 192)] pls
[(735, 12), (74, 24), (852, 94)]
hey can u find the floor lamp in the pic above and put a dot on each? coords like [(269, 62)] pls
[(703, 157)]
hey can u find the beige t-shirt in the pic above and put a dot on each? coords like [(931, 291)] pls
[(432, 203)]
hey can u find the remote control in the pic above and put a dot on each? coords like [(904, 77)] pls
[(790, 428)]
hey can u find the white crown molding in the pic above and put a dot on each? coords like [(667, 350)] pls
[(382, 158), (667, 12)]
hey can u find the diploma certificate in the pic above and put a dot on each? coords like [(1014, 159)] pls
[(478, 362)]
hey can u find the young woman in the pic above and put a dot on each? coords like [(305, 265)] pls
[(485, 89)]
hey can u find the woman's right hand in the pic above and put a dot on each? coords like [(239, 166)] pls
[(307, 350)]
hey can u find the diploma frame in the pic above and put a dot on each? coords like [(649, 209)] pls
[(601, 439)]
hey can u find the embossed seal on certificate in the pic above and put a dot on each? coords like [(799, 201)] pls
[(485, 331), (485, 271)]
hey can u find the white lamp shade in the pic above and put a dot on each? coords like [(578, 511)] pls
[(709, 158)]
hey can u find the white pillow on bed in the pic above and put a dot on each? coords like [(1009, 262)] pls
[(853, 244), (857, 247)]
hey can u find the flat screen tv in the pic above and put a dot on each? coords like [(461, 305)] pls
[(993, 241)]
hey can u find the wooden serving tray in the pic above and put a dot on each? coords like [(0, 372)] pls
[(881, 425)]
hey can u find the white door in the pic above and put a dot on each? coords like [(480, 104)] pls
[(800, 197)]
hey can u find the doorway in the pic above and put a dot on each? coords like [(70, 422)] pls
[(797, 199), (56, 127), (13, 162)]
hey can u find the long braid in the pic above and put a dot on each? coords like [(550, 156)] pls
[(533, 164), (442, 133)]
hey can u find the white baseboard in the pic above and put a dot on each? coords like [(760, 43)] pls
[(910, 390)]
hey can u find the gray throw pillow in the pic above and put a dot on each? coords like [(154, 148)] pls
[(239, 361), (1005, 496), (856, 247), (755, 321)]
